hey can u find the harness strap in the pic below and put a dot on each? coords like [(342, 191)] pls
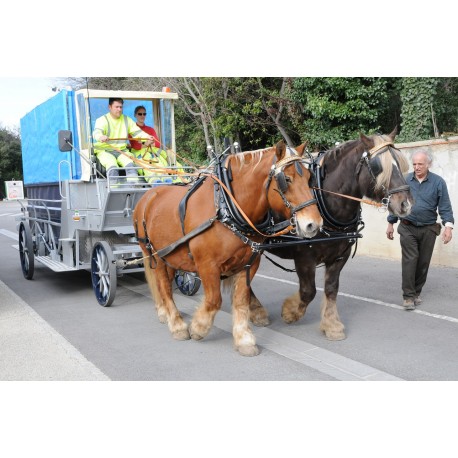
[(168, 249), (184, 200), (247, 267), (378, 148), (284, 231)]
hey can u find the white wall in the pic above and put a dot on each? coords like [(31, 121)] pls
[(445, 164)]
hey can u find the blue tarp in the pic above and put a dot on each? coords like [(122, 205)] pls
[(39, 134), (39, 139)]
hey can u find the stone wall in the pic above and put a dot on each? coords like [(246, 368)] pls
[(445, 164)]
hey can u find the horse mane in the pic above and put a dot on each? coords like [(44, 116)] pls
[(386, 160), (249, 158)]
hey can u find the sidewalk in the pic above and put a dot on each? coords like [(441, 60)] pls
[(32, 350)]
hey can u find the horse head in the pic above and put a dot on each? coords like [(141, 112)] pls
[(289, 194), (384, 168)]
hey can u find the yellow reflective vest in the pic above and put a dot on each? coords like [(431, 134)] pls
[(115, 128)]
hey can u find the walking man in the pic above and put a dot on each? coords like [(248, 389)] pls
[(419, 230)]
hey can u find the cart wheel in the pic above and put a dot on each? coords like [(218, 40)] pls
[(26, 251), (103, 273), (188, 282)]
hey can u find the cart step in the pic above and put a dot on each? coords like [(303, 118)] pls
[(56, 266)]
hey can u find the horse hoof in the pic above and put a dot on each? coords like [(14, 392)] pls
[(181, 335), (289, 318), (195, 335), (260, 321), (197, 331), (162, 319), (248, 350), (335, 335)]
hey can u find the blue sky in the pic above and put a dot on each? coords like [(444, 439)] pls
[(19, 95)]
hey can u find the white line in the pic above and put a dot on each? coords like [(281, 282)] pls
[(11, 235), (305, 353), (374, 301), (6, 214)]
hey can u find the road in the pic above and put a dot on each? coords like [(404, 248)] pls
[(126, 342)]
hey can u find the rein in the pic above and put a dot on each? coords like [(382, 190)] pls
[(364, 201)]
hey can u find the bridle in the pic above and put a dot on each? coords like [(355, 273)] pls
[(372, 162), (277, 172)]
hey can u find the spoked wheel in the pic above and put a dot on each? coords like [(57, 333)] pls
[(188, 282), (103, 273), (26, 251)]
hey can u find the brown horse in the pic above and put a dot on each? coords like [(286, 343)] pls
[(216, 245), (369, 166)]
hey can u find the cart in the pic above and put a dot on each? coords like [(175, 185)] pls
[(84, 221)]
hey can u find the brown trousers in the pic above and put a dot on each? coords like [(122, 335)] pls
[(417, 245)]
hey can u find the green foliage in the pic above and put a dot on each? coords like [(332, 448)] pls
[(10, 157), (338, 109), (446, 105), (257, 112), (190, 140), (417, 96), (246, 109)]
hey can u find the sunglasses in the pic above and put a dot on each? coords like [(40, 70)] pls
[(141, 114)]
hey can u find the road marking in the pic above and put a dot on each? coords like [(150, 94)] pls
[(11, 235), (305, 353), (15, 236), (373, 301)]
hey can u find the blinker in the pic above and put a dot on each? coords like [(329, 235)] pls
[(281, 182), (376, 165)]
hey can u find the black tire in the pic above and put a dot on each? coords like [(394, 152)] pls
[(103, 273), (26, 254), (188, 282)]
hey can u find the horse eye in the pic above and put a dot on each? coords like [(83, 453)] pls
[(288, 179)]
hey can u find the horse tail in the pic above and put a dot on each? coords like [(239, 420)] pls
[(152, 283), (228, 284)]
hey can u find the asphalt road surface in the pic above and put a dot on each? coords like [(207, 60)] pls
[(127, 342), (51, 328)]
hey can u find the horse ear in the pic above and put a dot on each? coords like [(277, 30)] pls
[(301, 148), (368, 143), (394, 133), (281, 149)]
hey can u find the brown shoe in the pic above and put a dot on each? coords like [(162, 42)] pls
[(408, 304), (417, 300)]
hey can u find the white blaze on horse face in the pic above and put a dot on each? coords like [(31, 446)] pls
[(306, 227)]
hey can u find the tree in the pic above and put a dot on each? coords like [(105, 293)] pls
[(337, 109), (10, 157), (418, 113), (446, 105)]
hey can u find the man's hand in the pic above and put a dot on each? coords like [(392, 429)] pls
[(447, 234), (150, 141), (103, 138), (390, 231)]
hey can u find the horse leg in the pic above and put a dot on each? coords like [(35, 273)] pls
[(158, 302), (258, 314), (294, 306), (330, 320), (244, 339), (160, 284), (204, 316)]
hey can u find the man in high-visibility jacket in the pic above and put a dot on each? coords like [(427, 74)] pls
[(114, 153)]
